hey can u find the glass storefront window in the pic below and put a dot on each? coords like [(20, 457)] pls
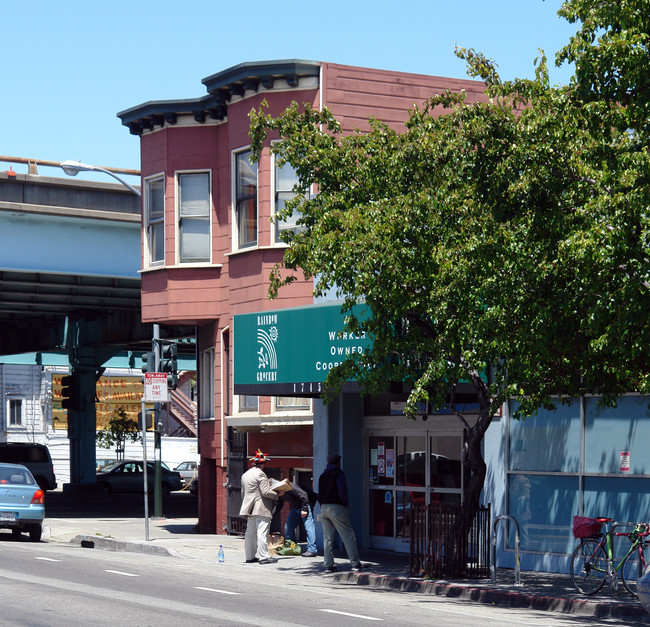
[(445, 466), (382, 460), (544, 507), (381, 513), (409, 470), (548, 441), (411, 461), (623, 499), (447, 498), (617, 435)]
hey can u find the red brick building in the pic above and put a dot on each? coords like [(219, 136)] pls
[(208, 244)]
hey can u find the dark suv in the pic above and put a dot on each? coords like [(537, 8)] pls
[(35, 456)]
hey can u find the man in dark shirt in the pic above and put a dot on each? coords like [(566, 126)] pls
[(334, 513)]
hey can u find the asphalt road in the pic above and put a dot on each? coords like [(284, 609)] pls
[(48, 583)]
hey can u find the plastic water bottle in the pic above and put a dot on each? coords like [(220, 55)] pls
[(220, 556)]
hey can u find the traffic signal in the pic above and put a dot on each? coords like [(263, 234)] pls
[(70, 393), (149, 362), (169, 363)]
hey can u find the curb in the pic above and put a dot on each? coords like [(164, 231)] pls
[(110, 544), (504, 598)]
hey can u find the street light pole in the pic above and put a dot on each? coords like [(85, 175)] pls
[(72, 168)]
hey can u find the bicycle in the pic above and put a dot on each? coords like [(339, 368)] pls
[(593, 562)]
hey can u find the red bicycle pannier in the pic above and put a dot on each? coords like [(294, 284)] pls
[(586, 527)]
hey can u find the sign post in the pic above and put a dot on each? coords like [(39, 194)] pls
[(144, 471), (155, 391)]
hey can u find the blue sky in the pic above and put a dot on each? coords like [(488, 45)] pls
[(68, 68)]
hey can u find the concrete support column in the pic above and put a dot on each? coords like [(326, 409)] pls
[(81, 429), (338, 428), (86, 353)]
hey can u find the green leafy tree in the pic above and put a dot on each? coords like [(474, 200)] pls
[(120, 429), (501, 246)]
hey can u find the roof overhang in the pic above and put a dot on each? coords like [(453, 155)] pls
[(238, 80)]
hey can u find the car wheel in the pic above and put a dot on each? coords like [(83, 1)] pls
[(166, 489), (106, 487), (16, 532), (35, 532)]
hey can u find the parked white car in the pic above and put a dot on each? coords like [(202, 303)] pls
[(189, 470)]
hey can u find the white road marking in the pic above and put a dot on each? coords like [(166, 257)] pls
[(47, 559), (215, 590), (119, 572), (352, 615)]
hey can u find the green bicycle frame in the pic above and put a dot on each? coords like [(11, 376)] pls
[(610, 548)]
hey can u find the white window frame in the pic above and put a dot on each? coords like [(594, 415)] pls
[(179, 217), (10, 413), (300, 405), (148, 262), (277, 228), (206, 388), (236, 244)]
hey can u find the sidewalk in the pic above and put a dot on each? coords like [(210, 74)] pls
[(177, 538)]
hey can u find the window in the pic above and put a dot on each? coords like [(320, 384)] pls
[(248, 403), (206, 389), (245, 200), (285, 179), (286, 403), (15, 412), (608, 431), (155, 220), (194, 217), (580, 459)]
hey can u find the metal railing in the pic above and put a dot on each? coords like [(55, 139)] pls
[(438, 550), (183, 410), (33, 164)]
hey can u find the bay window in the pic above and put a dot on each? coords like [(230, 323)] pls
[(194, 203), (154, 208), (245, 205)]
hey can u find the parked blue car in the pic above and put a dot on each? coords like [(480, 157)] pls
[(22, 502)]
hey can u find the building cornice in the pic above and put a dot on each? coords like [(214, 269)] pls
[(223, 87)]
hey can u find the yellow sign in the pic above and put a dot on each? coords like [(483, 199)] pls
[(111, 392)]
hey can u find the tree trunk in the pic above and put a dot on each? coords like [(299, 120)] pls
[(474, 486)]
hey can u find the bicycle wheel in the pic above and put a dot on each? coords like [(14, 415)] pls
[(588, 567), (631, 571)]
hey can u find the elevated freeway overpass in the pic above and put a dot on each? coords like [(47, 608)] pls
[(70, 283)]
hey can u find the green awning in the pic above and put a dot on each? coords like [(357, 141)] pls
[(289, 352)]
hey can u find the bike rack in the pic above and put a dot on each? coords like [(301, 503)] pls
[(493, 565)]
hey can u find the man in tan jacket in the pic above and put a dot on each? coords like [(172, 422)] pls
[(257, 508)]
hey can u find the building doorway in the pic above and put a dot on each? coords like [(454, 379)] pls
[(422, 467)]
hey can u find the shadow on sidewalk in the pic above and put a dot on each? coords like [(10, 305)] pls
[(61, 505)]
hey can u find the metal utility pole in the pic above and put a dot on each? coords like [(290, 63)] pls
[(157, 489)]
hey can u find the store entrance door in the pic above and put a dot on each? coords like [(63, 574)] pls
[(419, 468)]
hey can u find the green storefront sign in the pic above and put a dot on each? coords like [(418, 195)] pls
[(289, 352)]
